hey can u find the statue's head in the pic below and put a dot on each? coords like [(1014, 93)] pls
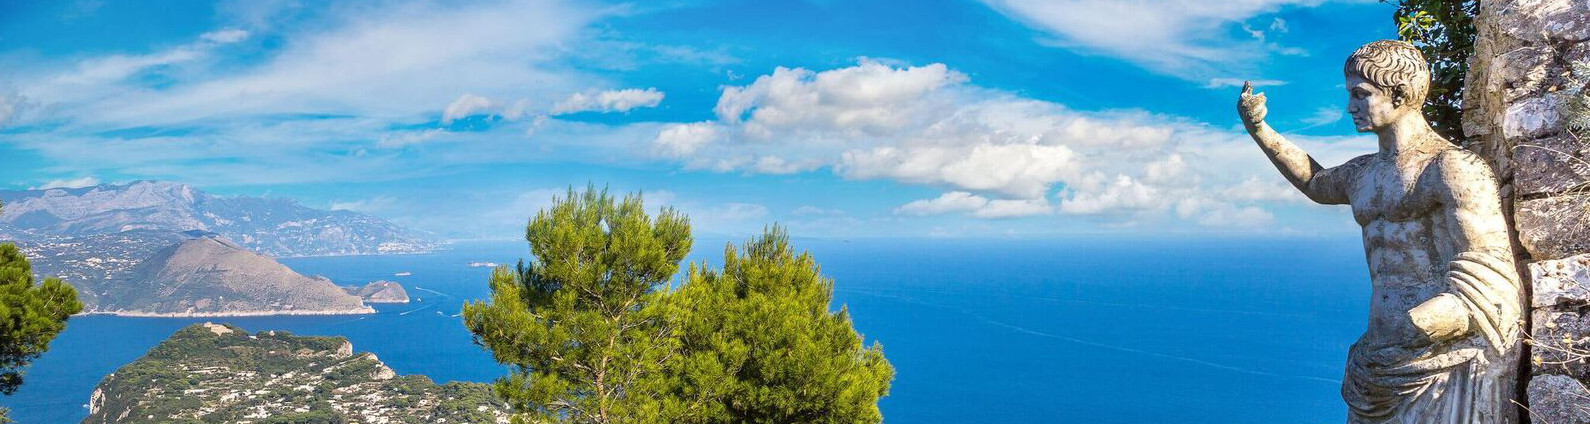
[(1386, 80)]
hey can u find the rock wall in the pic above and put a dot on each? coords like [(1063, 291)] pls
[(1521, 94)]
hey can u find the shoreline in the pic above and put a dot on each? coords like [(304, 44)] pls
[(366, 311)]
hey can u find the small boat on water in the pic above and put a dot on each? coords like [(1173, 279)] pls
[(483, 264), (404, 274)]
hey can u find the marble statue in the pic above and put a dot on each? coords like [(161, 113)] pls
[(1446, 312)]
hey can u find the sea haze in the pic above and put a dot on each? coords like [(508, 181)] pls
[(1086, 330)]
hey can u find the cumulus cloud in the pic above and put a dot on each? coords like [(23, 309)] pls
[(681, 140), (1189, 39), (608, 101), (960, 202), (996, 155), (79, 182)]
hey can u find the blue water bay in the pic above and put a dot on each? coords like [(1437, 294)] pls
[(1114, 330)]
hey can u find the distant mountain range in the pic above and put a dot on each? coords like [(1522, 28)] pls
[(276, 227), (164, 249)]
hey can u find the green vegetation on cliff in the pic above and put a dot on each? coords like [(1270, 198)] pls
[(212, 373)]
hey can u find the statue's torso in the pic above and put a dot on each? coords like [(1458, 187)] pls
[(1404, 242)]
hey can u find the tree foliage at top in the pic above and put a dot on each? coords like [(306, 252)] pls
[(761, 347), (30, 316), (581, 323), (1443, 30), (593, 334)]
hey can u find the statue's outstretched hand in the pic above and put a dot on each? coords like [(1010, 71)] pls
[(1251, 107)]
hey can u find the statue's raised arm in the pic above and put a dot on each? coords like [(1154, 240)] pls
[(1324, 186)]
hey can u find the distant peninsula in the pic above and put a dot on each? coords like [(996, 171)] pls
[(219, 373), (209, 276)]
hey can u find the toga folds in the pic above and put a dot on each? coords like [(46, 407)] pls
[(1447, 382)]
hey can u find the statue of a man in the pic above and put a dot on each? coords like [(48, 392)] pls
[(1445, 316)]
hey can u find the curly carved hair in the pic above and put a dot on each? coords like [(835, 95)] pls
[(1392, 65)]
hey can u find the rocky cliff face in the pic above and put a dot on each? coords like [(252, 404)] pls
[(1526, 84), (276, 227), (221, 374), (211, 276)]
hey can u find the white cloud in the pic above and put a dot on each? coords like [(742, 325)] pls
[(1123, 193), (680, 140), (951, 202), (466, 106), (609, 101), (1239, 82), (995, 154), (12, 105), (392, 61), (79, 182), (406, 138), (225, 36), (1189, 39), (1324, 116), (960, 202)]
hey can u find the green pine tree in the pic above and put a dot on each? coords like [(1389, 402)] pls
[(580, 323), (30, 316), (759, 344)]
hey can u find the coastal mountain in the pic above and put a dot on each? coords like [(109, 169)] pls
[(276, 227), (216, 373), (380, 292), (209, 275)]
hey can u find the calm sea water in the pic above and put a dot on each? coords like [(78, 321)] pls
[(1081, 331)]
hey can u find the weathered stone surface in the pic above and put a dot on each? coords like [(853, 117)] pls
[(1551, 165), (1563, 282), (1556, 20), (1520, 73), (1554, 227), (1556, 399), (1561, 341), (1532, 118)]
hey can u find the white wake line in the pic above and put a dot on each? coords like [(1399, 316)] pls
[(1113, 347), (433, 291), (417, 309)]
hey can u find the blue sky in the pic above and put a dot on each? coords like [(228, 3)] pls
[(855, 118)]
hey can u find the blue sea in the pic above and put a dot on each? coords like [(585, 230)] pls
[(1087, 330)]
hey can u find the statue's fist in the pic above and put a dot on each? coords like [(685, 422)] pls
[(1251, 106)]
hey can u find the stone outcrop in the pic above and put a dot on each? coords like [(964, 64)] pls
[(1526, 87), (380, 292)]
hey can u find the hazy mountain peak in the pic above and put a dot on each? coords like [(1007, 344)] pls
[(279, 227)]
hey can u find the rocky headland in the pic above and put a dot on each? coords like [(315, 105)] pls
[(214, 373), (209, 276), (380, 292)]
